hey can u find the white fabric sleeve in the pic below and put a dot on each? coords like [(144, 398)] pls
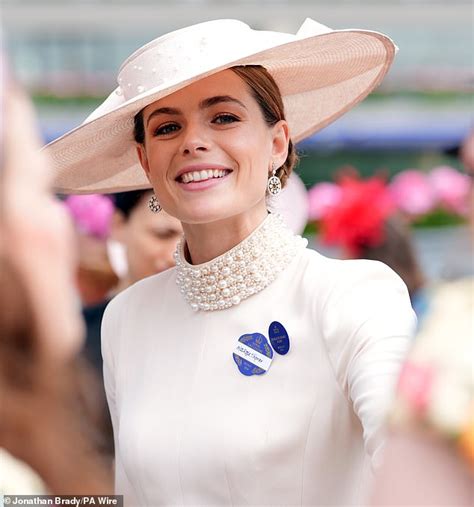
[(368, 323), (110, 342)]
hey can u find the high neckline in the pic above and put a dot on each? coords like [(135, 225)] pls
[(246, 269)]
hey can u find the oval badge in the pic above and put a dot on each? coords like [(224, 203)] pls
[(253, 354), (279, 338)]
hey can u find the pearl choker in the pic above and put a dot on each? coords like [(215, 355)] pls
[(244, 270)]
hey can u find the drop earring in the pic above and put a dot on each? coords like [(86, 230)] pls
[(154, 205), (274, 182)]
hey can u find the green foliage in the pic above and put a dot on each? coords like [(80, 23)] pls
[(311, 229), (318, 166), (439, 218), (54, 101)]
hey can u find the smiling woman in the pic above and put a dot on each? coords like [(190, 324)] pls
[(256, 372)]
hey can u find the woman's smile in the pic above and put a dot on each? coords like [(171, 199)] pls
[(202, 176)]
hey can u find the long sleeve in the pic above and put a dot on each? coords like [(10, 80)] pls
[(180, 407), (110, 352), (367, 322)]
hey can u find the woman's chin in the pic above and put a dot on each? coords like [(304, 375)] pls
[(206, 212), (205, 218)]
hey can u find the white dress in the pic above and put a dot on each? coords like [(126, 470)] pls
[(190, 429)]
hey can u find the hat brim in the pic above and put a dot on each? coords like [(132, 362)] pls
[(320, 78)]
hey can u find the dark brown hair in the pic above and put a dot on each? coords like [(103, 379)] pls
[(267, 94)]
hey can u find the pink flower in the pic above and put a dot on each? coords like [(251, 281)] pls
[(92, 214), (412, 192), (322, 197), (451, 188), (415, 384)]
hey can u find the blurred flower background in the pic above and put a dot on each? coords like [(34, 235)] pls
[(437, 197), (67, 53)]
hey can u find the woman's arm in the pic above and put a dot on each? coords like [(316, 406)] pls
[(368, 323)]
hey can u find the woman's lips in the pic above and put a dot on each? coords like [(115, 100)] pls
[(200, 167), (203, 184), (201, 177)]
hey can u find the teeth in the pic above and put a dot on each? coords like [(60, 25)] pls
[(203, 175)]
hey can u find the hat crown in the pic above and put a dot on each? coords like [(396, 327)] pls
[(187, 34), (179, 55)]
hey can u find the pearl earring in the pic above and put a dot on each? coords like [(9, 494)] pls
[(154, 205), (274, 182)]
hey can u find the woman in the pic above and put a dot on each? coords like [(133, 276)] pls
[(256, 372), (42, 421)]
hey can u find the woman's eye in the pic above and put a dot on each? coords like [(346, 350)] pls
[(168, 128), (165, 235), (222, 119)]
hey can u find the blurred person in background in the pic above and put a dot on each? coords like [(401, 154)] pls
[(200, 115), (149, 239), (429, 458), (45, 389), (363, 221)]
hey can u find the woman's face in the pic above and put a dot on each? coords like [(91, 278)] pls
[(208, 150), (149, 238), (36, 233)]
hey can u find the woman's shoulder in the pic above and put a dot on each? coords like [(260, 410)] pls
[(347, 294), (341, 274)]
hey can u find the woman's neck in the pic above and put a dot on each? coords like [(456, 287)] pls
[(205, 242)]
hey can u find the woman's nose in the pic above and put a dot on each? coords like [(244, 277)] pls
[(194, 140)]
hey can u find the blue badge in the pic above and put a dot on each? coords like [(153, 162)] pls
[(279, 338), (253, 354)]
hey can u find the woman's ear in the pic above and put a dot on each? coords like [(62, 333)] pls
[(281, 139), (143, 160)]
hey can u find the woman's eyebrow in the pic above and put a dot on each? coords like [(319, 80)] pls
[(211, 101), (163, 110)]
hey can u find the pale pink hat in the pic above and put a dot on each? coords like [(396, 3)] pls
[(321, 73)]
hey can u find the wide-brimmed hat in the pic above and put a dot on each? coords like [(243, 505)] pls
[(321, 74)]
